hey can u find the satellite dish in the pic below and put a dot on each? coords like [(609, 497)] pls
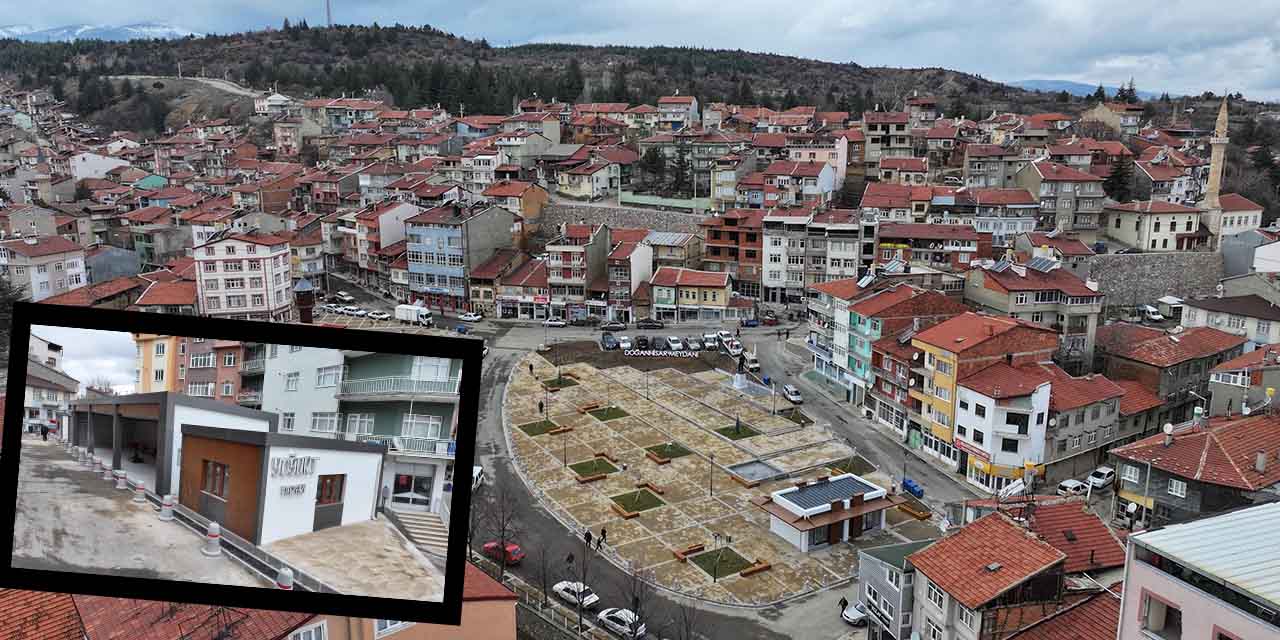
[(1132, 508), (1053, 422), (1168, 427)]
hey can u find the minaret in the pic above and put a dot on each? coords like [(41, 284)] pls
[(1219, 142)]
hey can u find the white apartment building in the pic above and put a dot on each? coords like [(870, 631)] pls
[(1000, 420), (783, 267), (44, 266), (245, 276)]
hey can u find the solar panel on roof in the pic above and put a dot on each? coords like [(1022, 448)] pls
[(906, 336), (1044, 265), (1001, 266), (823, 493), (866, 280)]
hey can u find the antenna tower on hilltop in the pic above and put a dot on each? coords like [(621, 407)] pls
[(328, 12)]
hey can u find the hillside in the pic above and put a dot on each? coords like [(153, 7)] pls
[(420, 65)]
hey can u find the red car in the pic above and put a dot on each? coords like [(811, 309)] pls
[(770, 321), (513, 555)]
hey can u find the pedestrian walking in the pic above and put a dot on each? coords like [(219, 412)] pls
[(738, 332), (586, 535), (530, 368), (603, 534), (788, 334), (541, 407), (44, 432), (844, 604)]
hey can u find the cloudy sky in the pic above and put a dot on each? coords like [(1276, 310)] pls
[(1174, 45), (89, 354)]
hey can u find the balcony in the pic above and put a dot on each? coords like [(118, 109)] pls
[(398, 387), (249, 397), (253, 366), (415, 446), (820, 349)]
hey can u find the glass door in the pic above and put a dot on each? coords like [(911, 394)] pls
[(413, 491)]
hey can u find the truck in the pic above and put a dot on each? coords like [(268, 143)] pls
[(414, 314)]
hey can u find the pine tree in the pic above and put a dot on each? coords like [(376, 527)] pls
[(1119, 185), (286, 27), (1099, 94), (571, 82), (126, 90), (790, 99), (653, 165)]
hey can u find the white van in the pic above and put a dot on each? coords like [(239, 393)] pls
[(753, 364), (1150, 313)]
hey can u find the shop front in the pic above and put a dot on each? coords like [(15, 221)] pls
[(265, 487)]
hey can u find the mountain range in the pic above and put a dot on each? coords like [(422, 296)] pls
[(137, 31), (1078, 89)]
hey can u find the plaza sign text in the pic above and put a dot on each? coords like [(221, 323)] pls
[(293, 466), (648, 353)]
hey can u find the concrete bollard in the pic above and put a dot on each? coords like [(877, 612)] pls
[(122, 479), (166, 508), (140, 493), (108, 474), (82, 456), (212, 541), (284, 579)]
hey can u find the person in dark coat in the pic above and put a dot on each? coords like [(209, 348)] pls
[(44, 432), (844, 604)]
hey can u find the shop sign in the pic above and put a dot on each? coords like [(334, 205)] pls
[(648, 353), (541, 299), (971, 450), (293, 490), (293, 466)]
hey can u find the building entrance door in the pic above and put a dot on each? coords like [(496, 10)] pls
[(413, 492), (329, 494)]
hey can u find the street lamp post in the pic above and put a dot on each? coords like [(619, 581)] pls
[(564, 439), (711, 475)]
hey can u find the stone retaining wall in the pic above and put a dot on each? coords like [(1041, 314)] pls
[(1141, 278), (555, 214)]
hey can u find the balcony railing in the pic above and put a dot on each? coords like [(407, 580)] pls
[(398, 385), (415, 445), (249, 397), (819, 349), (253, 366)]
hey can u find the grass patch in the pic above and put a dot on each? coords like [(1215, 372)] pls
[(731, 562), (858, 466), (608, 413), (670, 451), (796, 416), (593, 467), (538, 428), (737, 432), (638, 501), (560, 383)]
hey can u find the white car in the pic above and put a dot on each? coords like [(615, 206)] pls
[(624, 342), (734, 348), (855, 614), (331, 308), (792, 394), (674, 343), (355, 311), (1071, 487), (379, 315), (1102, 477), (477, 477), (572, 592), (471, 316), (344, 296), (622, 622), (554, 322)]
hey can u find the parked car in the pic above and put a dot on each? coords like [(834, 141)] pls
[(331, 308), (650, 323), (855, 614), (622, 622), (693, 343), (642, 342), (657, 343), (674, 343), (344, 297), (575, 592), (770, 321), (1071, 487), (379, 315), (734, 348), (554, 322), (710, 341), (792, 394), (752, 362), (613, 325), (1102, 477), (624, 342), (750, 322), (471, 316), (355, 311), (513, 555), (1150, 313), (608, 342), (724, 336)]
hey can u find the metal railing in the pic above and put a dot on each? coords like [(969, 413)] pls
[(398, 385), (249, 396), (251, 366), (415, 445)]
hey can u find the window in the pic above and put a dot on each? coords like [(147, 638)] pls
[(312, 632), (201, 360), (159, 349), (872, 595), (1008, 445), (159, 377), (361, 423), (893, 577), (966, 617), (328, 376), (182, 371), (229, 360), (935, 632), (291, 381), (286, 422), (329, 490), (1020, 298), (1075, 442), (1129, 473), (1160, 620), (935, 595), (979, 436), (215, 480), (324, 422), (200, 389), (182, 348), (430, 368), (417, 425), (964, 404), (1177, 488), (980, 410), (388, 626), (1091, 437)]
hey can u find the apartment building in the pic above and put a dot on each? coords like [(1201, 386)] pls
[(886, 584), (675, 249), (733, 244), (785, 256), (631, 264), (1175, 366), (904, 170), (801, 183), (1251, 316), (957, 348), (677, 113), (1122, 117), (840, 243), (577, 258), (888, 309), (688, 295), (245, 276), (1070, 253), (485, 277), (1002, 213), (1044, 293), (445, 243), (1199, 579), (940, 246), (1085, 419), (48, 393), (1243, 381), (158, 364), (1070, 200), (43, 266), (1156, 226), (995, 166), (524, 293), (828, 339), (886, 136), (896, 202), (832, 149)]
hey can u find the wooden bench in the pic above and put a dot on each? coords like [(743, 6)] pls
[(559, 430), (760, 565), (650, 486), (626, 515), (914, 512), (656, 458), (683, 554), (586, 408), (607, 456), (592, 478)]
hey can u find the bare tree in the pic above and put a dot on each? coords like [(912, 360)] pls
[(501, 519), (578, 566), (546, 558), (686, 622), (640, 596)]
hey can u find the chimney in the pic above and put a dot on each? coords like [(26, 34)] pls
[(1260, 464)]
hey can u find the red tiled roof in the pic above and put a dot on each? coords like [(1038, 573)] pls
[(148, 215), (885, 117), (181, 292), (843, 289), (905, 164), (1071, 392), (1054, 172), (127, 619), (680, 277), (970, 329), (489, 269), (790, 168), (1058, 279), (769, 140), (675, 100), (1094, 618), (1074, 530), (38, 615), (1222, 454), (884, 299), (622, 251), (927, 231), (1065, 246), (1154, 347), (1237, 202), (1250, 359), (477, 585), (941, 133), (44, 246), (1160, 172), (1003, 381), (89, 295), (1152, 206), (960, 563), (1137, 398), (623, 234), (530, 274)]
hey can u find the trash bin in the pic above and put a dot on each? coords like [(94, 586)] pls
[(766, 380)]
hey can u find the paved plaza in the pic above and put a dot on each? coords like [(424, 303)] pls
[(696, 497)]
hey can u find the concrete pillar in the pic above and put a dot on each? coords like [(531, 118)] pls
[(122, 479), (89, 435), (117, 437), (107, 474), (140, 493), (212, 541), (284, 579), (166, 508)]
